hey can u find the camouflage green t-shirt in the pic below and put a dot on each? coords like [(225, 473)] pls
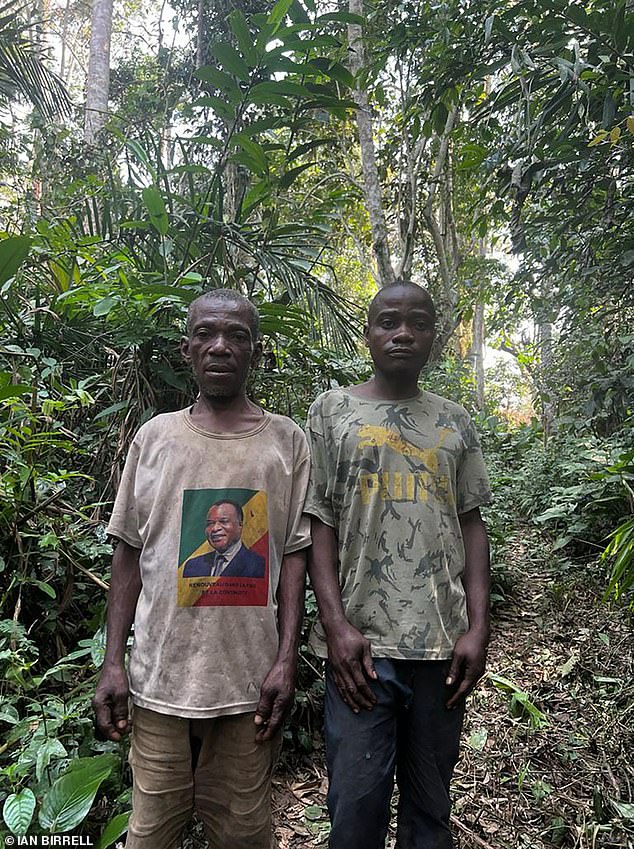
[(392, 478)]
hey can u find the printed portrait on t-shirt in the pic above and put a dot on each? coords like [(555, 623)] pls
[(224, 548)]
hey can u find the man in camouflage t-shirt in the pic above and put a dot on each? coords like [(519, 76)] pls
[(400, 568)]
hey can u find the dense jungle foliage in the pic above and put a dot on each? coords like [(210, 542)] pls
[(303, 152)]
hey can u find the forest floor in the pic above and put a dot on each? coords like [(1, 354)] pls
[(548, 746)]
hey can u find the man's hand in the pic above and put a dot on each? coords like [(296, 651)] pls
[(276, 696), (467, 665), (350, 656), (110, 703)]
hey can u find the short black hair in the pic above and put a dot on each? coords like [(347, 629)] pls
[(401, 282), (229, 296), (234, 504)]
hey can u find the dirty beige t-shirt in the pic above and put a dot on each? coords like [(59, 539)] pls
[(392, 478), (203, 644)]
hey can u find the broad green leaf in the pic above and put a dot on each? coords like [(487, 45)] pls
[(14, 391), (113, 831), (113, 408), (68, 801), (155, 205), (278, 13), (298, 14), (205, 140), (240, 29), (268, 98), (329, 104), (630, 123), (142, 156), (231, 60), (255, 152), (291, 176), (9, 714), (104, 306), (244, 158), (282, 87), (137, 224), (623, 809), (173, 378), (219, 106), (261, 125), (42, 585), (274, 62), (600, 136), (48, 751), (13, 252), (301, 149), (220, 80), (471, 156), (18, 810), (439, 117), (256, 194), (609, 111)]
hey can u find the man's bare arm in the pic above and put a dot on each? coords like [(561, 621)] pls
[(276, 694), (349, 652), (469, 655), (110, 701)]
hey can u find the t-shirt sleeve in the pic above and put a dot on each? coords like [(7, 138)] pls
[(298, 525), (473, 488), (124, 522), (318, 501)]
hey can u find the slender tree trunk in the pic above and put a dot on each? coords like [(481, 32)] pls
[(201, 47), (98, 81), (478, 354), (478, 341), (64, 40), (545, 341), (372, 184), (438, 208)]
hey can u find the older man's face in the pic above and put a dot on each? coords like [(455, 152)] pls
[(220, 348), (223, 527)]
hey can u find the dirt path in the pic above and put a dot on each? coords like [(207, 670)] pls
[(548, 754)]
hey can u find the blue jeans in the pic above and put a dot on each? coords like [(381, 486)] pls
[(409, 731)]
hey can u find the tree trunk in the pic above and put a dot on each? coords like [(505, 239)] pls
[(201, 46), (372, 184), (545, 341), (98, 81), (438, 210), (477, 347), (478, 354)]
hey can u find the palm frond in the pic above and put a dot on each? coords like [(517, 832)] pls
[(23, 70)]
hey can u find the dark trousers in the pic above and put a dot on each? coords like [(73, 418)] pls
[(409, 731)]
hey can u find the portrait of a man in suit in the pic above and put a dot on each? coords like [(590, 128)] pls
[(230, 557)]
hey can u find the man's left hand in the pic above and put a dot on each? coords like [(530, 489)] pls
[(467, 665), (276, 696)]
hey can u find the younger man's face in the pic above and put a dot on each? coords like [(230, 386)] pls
[(400, 331)]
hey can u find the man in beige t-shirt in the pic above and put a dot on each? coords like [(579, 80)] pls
[(210, 569)]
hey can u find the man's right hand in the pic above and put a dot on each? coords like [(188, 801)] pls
[(350, 657), (110, 703)]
